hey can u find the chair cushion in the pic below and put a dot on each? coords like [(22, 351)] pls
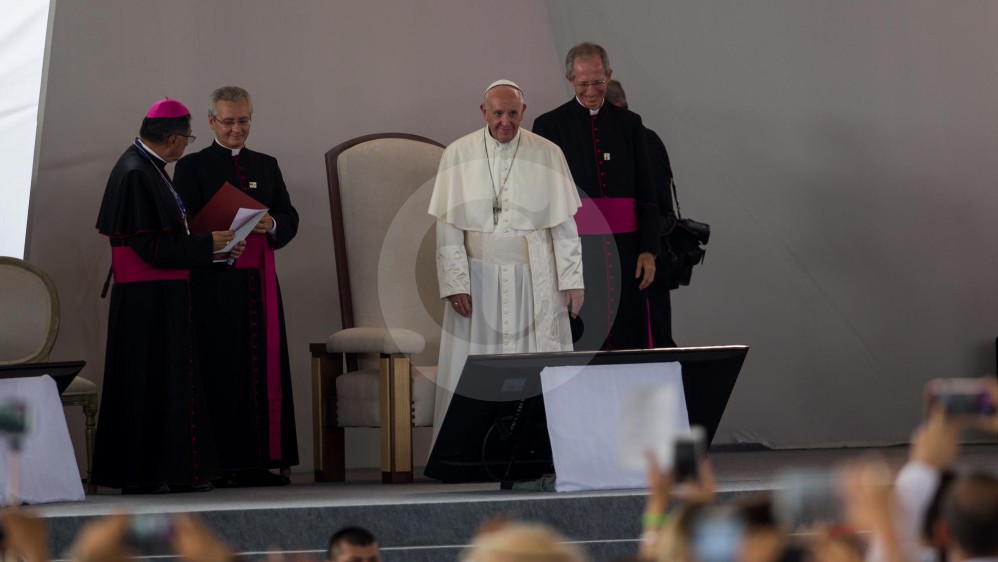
[(375, 340), (357, 397), (80, 387)]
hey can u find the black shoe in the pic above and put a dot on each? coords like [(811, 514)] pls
[(258, 477), (228, 480), (159, 488), (191, 488)]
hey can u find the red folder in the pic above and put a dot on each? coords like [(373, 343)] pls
[(220, 211)]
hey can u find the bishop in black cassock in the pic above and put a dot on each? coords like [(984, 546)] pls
[(243, 351), (606, 151), (154, 434)]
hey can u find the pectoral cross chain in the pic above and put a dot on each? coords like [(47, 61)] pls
[(497, 199)]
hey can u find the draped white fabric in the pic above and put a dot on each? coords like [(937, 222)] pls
[(587, 409), (22, 34), (47, 462)]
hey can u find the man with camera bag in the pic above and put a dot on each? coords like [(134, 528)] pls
[(659, 300)]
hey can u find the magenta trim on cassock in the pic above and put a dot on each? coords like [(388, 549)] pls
[(259, 254), (607, 215), (128, 267)]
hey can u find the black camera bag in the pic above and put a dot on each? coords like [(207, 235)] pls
[(683, 245)]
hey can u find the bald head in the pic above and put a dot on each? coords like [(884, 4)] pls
[(523, 542)]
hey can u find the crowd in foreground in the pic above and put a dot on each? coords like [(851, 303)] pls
[(930, 511)]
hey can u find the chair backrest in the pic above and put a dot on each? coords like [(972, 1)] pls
[(384, 239), (29, 313)]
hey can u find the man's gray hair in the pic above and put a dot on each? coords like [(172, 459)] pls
[(615, 94), (228, 93), (585, 50)]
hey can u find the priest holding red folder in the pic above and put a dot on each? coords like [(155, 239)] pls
[(239, 319)]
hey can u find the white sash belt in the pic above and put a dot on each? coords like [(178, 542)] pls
[(502, 251)]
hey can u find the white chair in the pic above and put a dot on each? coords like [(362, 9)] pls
[(363, 375), (29, 306)]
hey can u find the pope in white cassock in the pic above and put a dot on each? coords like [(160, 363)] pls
[(509, 258)]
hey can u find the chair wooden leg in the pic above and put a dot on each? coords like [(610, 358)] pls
[(395, 385), (328, 440), (90, 408)]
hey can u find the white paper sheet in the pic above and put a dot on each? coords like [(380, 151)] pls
[(586, 408), (649, 425), (243, 225)]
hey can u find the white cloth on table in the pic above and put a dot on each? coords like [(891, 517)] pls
[(47, 462), (586, 407)]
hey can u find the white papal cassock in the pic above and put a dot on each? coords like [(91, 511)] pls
[(515, 267)]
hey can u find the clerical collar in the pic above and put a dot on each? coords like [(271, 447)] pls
[(235, 151), (513, 143), (150, 151), (591, 111)]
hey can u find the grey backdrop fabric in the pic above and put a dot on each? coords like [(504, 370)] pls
[(843, 152)]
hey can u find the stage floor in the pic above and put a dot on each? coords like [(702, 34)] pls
[(427, 520)]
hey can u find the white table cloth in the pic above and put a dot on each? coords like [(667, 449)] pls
[(600, 416), (47, 462)]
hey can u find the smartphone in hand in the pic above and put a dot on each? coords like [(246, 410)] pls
[(690, 449), (960, 396)]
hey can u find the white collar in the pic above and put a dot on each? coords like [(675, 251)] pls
[(495, 146), (150, 151), (235, 151), (591, 111), (502, 145)]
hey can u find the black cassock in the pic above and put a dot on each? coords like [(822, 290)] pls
[(252, 410), (608, 156), (658, 293), (154, 425)]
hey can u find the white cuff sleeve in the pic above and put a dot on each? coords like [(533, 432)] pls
[(568, 255), (452, 261)]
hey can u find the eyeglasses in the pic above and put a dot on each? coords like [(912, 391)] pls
[(190, 138), (583, 86), (229, 123)]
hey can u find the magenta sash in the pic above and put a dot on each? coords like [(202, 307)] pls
[(607, 215), (128, 267), (259, 254)]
